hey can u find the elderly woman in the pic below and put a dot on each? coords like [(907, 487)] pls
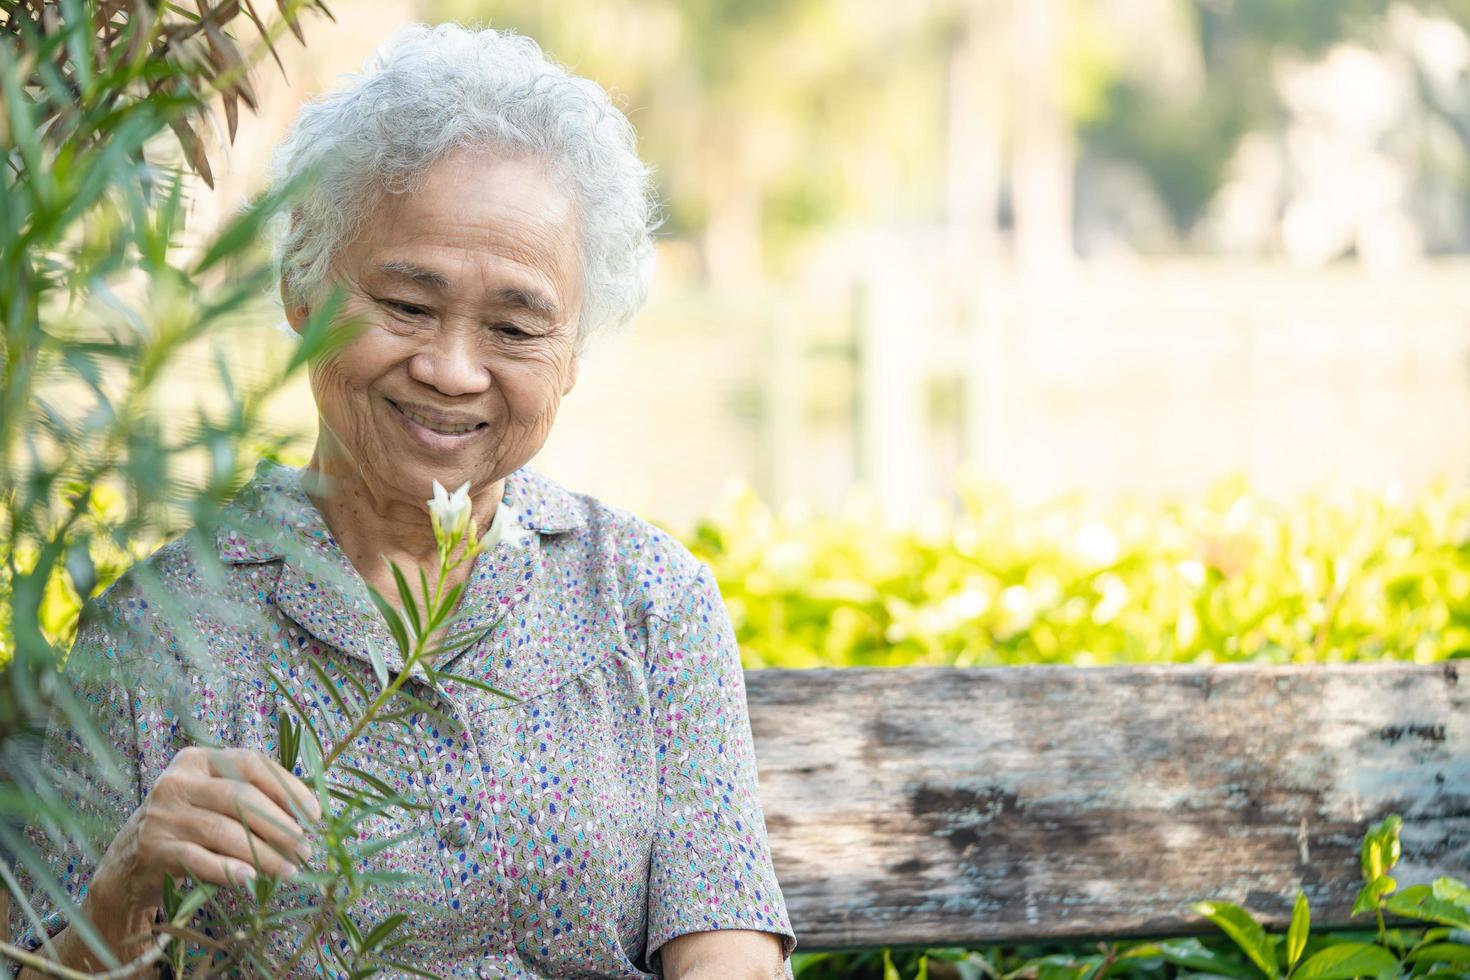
[(484, 213)]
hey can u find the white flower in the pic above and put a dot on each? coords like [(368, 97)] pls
[(505, 526), (450, 514)]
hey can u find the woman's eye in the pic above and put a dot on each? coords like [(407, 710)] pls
[(510, 330), (407, 309)]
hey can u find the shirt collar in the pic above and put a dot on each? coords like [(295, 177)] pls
[(273, 518), (272, 505)]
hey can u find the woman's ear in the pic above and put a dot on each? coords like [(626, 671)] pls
[(296, 314)]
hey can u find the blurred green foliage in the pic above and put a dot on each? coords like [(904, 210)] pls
[(806, 115), (1230, 577)]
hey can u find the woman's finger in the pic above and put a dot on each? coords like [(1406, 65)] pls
[(245, 802), (269, 775), (197, 862), (226, 836)]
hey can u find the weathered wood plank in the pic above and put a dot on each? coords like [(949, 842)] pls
[(943, 806)]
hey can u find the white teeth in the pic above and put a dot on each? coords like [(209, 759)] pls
[(448, 430)]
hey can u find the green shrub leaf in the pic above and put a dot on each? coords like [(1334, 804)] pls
[(1344, 961), (1196, 955), (1245, 931), (1448, 889), (1296, 936), (1441, 953), (1419, 902), (1381, 848), (1369, 894)]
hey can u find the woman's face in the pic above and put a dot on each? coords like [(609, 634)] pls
[(470, 289)]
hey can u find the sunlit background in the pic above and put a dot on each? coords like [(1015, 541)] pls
[(1116, 248)]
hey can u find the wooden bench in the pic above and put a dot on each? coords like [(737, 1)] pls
[(948, 807)]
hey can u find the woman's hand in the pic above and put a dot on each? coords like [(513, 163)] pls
[(215, 815), (202, 818)]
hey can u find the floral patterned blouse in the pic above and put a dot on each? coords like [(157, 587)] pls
[(573, 832)]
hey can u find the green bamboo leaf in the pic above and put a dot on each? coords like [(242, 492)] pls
[(311, 758), (23, 132), (446, 607), (349, 795), (382, 930), (371, 780), (410, 605), (322, 332), (453, 649), (379, 844), (171, 897), (380, 666), (395, 623), (245, 228), (325, 680), (348, 926), (1344, 961), (1296, 935), (478, 684), (1244, 930), (364, 698), (78, 42), (303, 717), (417, 971)]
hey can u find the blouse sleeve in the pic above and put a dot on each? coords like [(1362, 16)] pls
[(711, 861), (94, 776)]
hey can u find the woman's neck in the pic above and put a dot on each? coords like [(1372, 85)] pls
[(371, 523)]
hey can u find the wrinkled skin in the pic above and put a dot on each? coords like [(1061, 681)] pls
[(470, 286)]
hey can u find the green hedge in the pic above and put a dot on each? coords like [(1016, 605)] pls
[(1230, 577)]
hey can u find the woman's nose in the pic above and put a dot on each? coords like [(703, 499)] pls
[(450, 362)]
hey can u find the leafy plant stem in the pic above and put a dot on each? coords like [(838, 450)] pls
[(413, 657), (308, 943), (138, 967)]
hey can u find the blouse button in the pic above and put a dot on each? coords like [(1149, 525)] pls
[(489, 968), (458, 832)]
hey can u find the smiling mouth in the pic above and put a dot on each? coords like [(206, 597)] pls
[(440, 428)]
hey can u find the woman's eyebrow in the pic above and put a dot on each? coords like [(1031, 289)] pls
[(417, 273), (530, 300)]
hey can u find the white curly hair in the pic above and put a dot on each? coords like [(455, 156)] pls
[(432, 90)]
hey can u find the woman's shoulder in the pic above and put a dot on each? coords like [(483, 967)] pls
[(169, 579), (654, 568), (172, 607)]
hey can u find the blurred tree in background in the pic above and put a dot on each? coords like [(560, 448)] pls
[(768, 121)]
